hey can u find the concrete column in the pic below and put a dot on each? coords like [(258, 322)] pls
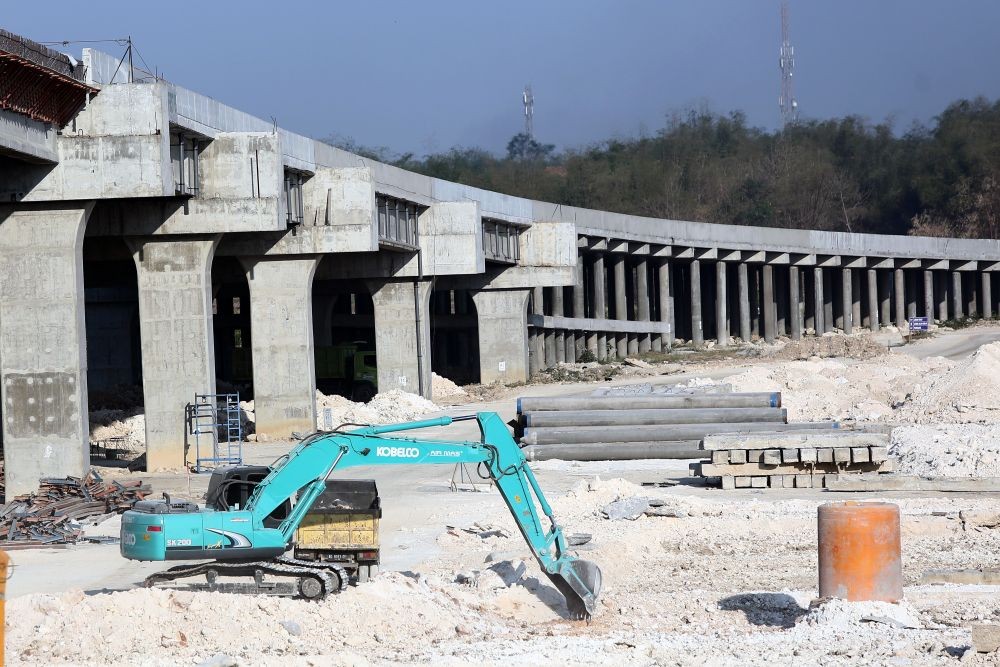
[(401, 321), (781, 303), (818, 301), (929, 296), (534, 359), (642, 300), (666, 302), (281, 335), (600, 298), (770, 316), (551, 359), (43, 344), (592, 342), (632, 343), (942, 297), (873, 299), (743, 286), (175, 321), (721, 314), (899, 282), (578, 294), (794, 300), (602, 346), (956, 295), (697, 334), (558, 304), (973, 309), (911, 294), (560, 343), (503, 349), (829, 320), (884, 312), (621, 302), (847, 298), (987, 294), (856, 300), (538, 336)]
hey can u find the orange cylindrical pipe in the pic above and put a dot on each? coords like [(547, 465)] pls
[(859, 551)]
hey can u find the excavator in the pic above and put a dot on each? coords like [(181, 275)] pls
[(251, 542)]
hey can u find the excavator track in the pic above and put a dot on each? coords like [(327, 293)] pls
[(296, 578)]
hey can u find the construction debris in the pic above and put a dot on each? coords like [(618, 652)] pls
[(52, 514), (879, 483)]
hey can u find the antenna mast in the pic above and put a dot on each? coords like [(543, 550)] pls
[(786, 63), (529, 111)]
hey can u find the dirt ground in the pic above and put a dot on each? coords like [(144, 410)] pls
[(730, 578)]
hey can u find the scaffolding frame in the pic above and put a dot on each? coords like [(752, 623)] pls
[(213, 420)]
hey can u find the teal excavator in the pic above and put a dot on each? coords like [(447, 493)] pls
[(251, 542)]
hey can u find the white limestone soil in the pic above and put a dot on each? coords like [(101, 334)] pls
[(729, 583)]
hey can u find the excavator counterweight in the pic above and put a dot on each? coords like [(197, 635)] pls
[(248, 542)]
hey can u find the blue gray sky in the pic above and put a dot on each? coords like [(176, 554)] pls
[(426, 76)]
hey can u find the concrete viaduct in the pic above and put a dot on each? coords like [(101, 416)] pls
[(152, 236)]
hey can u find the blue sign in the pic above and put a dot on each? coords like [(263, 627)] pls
[(919, 324)]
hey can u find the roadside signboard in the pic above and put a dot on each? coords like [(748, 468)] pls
[(919, 324)]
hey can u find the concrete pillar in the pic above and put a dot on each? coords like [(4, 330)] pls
[(560, 343), (618, 272), (828, 315), (987, 294), (899, 283), (847, 294), (770, 316), (503, 349), (929, 296), (818, 301), (592, 342), (642, 300), (856, 320), (911, 294), (884, 312), (942, 297), (666, 302), (873, 299), (956, 295), (534, 358), (756, 290), (43, 344), (178, 354), (600, 298), (551, 359), (602, 346), (558, 304), (401, 320), (578, 293), (281, 335), (697, 334), (538, 335), (743, 286), (721, 314), (795, 299), (632, 343), (973, 309)]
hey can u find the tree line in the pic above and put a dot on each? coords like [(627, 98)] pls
[(846, 174)]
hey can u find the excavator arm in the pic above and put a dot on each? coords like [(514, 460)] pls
[(239, 534)]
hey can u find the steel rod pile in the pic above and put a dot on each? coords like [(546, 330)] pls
[(644, 426), (51, 514)]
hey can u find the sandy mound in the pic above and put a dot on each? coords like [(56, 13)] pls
[(832, 389), (442, 387), (966, 393), (854, 347), (385, 408)]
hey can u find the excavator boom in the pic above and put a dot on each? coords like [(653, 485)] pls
[(237, 539)]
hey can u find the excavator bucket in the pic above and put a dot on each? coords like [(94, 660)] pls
[(580, 583)]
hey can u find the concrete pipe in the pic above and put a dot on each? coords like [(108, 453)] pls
[(859, 551), (648, 401), (559, 435), (649, 417), (616, 451)]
